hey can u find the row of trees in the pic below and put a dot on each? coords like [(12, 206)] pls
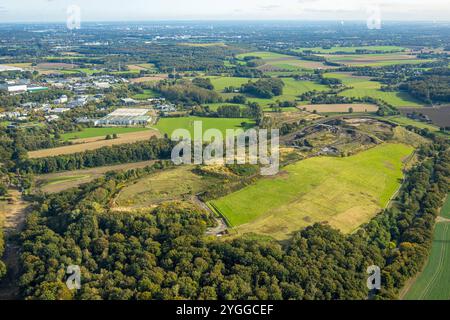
[(140, 151)]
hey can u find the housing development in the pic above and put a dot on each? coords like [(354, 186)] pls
[(225, 160)]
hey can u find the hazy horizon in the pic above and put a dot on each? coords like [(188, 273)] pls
[(41, 11)]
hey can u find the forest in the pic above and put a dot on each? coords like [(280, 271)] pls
[(162, 253)]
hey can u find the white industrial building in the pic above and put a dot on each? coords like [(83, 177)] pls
[(125, 117)]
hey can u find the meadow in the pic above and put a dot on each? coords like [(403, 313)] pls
[(169, 125), (433, 283), (173, 184), (99, 132), (362, 87), (343, 192)]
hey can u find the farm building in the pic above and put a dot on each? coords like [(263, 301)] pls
[(125, 117)]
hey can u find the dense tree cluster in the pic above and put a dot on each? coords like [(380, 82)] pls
[(265, 88), (432, 87), (188, 93)]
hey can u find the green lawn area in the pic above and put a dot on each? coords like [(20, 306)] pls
[(344, 192), (434, 282), (146, 95), (99, 132), (168, 125), (362, 86), (353, 49)]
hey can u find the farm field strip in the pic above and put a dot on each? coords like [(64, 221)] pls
[(345, 192), (100, 132), (93, 143)]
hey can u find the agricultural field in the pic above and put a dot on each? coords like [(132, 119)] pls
[(362, 87), (100, 132), (173, 184), (343, 192), (57, 182), (292, 89), (169, 125), (340, 108), (434, 282), (374, 60), (352, 49), (80, 145), (281, 62)]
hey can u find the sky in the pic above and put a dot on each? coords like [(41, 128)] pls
[(147, 10)]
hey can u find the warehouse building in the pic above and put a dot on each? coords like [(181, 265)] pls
[(125, 117)]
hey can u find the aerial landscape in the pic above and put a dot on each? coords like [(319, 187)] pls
[(224, 159)]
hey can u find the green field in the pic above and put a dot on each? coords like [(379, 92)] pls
[(344, 192), (362, 87), (292, 89), (263, 55), (404, 121), (169, 125), (99, 132), (374, 60), (147, 94), (353, 49), (282, 61), (169, 185), (434, 282)]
